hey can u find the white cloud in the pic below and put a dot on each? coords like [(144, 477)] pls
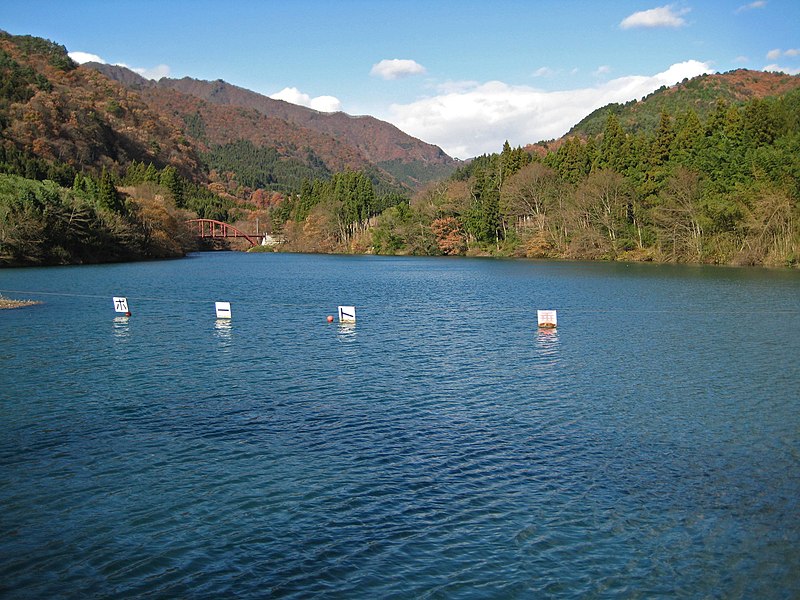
[(663, 16), (751, 6), (156, 72), (543, 72), (778, 53), (477, 119), (602, 70), (326, 104), (775, 68), (451, 87), (396, 68), (320, 103), (84, 57)]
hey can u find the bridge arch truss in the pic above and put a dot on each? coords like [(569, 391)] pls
[(211, 228)]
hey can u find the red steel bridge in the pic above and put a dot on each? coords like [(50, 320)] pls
[(210, 228)]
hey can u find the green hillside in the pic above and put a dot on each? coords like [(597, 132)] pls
[(699, 94), (721, 186)]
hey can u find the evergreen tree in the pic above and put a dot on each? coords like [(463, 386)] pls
[(483, 220), (172, 181), (613, 146), (573, 160), (107, 195), (151, 174), (716, 120), (659, 152), (688, 139), (512, 161), (661, 146), (135, 173), (759, 123)]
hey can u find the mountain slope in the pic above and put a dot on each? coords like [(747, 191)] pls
[(211, 124), (55, 111), (699, 94), (337, 138), (377, 140)]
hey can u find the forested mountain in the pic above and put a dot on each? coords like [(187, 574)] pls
[(715, 180), (699, 94), (73, 182), (721, 188), (339, 140), (59, 114)]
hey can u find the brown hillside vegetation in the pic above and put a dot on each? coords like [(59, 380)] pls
[(706, 171), (83, 119), (744, 84), (223, 124), (339, 140), (377, 140)]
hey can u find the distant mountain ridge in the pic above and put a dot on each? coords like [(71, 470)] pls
[(209, 124), (410, 160)]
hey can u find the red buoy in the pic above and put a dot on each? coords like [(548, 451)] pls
[(330, 319)]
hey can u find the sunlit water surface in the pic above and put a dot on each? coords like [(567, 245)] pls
[(441, 447)]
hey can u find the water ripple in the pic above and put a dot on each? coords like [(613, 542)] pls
[(443, 446)]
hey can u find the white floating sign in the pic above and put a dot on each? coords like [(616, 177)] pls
[(547, 318), (347, 314), (120, 304), (223, 310)]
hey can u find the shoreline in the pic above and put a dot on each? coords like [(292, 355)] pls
[(628, 257)]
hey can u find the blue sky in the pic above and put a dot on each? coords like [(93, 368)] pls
[(465, 75)]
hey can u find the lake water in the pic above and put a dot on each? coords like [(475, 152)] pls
[(442, 447)]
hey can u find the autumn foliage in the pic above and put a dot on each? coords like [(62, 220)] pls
[(449, 236)]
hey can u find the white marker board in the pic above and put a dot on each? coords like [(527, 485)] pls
[(223, 310), (347, 314), (120, 304), (547, 318)]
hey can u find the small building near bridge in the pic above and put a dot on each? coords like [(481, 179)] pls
[(270, 240)]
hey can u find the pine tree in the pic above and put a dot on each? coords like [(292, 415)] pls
[(613, 146), (688, 139), (151, 174), (107, 195), (172, 181), (659, 152), (661, 146), (483, 220), (760, 126)]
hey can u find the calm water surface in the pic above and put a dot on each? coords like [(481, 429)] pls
[(442, 447)]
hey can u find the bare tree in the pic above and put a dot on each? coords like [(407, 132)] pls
[(680, 217), (529, 194), (772, 229), (603, 198)]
